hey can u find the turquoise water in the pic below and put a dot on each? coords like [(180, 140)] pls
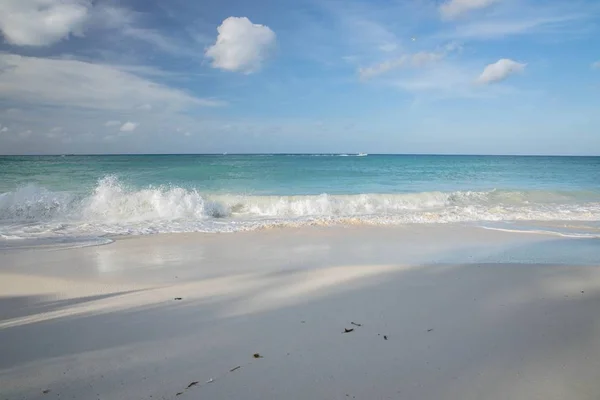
[(80, 196)]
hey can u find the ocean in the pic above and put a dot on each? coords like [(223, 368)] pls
[(88, 198)]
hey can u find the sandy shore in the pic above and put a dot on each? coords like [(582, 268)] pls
[(436, 312)]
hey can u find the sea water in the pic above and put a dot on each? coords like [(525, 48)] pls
[(63, 198)]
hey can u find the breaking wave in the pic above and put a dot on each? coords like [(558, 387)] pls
[(114, 209)]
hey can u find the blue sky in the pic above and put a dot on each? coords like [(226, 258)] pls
[(384, 76)]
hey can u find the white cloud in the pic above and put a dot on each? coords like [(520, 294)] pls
[(5, 129), (241, 46), (416, 60), (381, 68), (73, 83), (450, 79), (42, 22), (112, 123), (413, 60), (388, 47), (46, 22), (500, 70), (25, 134), (596, 65), (110, 16), (455, 8), (499, 28), (129, 127)]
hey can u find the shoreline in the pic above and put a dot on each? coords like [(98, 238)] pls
[(561, 228), (453, 312)]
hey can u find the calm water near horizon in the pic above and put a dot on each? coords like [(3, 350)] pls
[(45, 197)]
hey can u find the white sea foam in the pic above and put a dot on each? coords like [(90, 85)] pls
[(575, 235), (114, 209), (333, 155)]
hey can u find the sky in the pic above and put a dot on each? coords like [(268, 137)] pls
[(300, 76)]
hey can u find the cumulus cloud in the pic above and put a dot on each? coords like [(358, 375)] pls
[(500, 70), (241, 46), (129, 127), (452, 9), (42, 22), (73, 83)]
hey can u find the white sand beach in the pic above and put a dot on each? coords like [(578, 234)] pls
[(432, 312)]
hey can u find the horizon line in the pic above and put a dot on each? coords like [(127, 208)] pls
[(294, 154)]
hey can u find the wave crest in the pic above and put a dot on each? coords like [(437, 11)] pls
[(114, 208), (112, 201)]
